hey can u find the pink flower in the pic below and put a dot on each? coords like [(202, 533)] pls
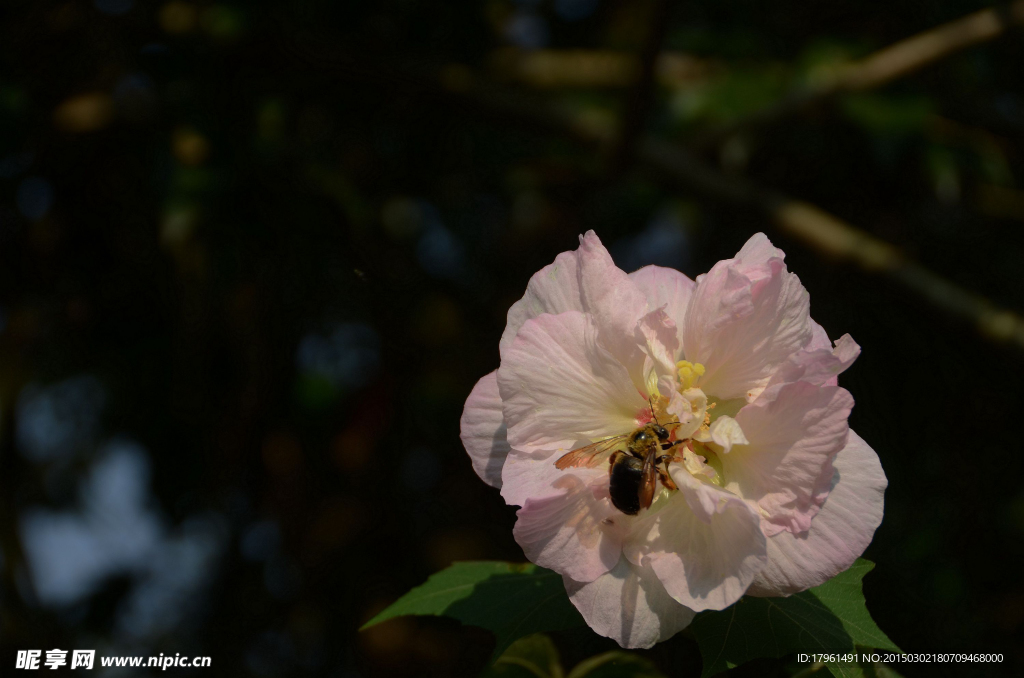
[(761, 488)]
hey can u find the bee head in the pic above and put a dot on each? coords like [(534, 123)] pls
[(661, 432)]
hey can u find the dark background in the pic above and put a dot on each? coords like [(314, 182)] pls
[(254, 256)]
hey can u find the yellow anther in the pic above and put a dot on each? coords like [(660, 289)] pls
[(689, 373)]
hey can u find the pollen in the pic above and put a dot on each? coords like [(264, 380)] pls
[(707, 416), (689, 373)]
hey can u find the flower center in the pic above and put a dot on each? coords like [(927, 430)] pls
[(696, 456), (689, 373)]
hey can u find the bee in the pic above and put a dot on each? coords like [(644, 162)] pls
[(633, 472)]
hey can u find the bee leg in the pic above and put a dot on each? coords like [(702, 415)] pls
[(666, 479), (677, 448), (669, 446)]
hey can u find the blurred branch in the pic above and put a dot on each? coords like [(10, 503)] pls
[(639, 98), (952, 132), (814, 227), (890, 63), (1000, 202), (835, 238), (560, 69), (817, 229), (918, 51)]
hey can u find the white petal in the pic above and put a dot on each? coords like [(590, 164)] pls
[(565, 532), (657, 334), (819, 338), (795, 431), (665, 288), (532, 475), (614, 303), (558, 385), (629, 605), (703, 565), (838, 534), (483, 430), (818, 364), (689, 408), (725, 431), (553, 289), (745, 318), (759, 249)]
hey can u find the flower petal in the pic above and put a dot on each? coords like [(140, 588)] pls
[(483, 430), (689, 408), (838, 534), (558, 386), (759, 249), (665, 288), (553, 289), (703, 565), (745, 318), (614, 302), (794, 431), (819, 338), (657, 334), (532, 475), (726, 432), (818, 362), (565, 532), (629, 605)]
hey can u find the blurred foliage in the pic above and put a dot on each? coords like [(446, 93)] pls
[(253, 257), (537, 657)]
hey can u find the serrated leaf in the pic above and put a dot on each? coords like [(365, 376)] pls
[(512, 600), (530, 657), (828, 618), (616, 664)]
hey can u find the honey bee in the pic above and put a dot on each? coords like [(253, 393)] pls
[(633, 472)]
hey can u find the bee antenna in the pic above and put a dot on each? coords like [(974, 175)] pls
[(653, 415)]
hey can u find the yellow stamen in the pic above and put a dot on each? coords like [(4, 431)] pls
[(689, 373)]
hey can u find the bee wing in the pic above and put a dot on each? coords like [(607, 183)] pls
[(648, 480), (589, 455)]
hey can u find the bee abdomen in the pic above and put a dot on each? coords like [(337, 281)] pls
[(624, 485)]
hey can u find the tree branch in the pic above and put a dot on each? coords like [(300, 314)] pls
[(640, 96), (596, 68), (888, 64), (835, 238), (814, 227)]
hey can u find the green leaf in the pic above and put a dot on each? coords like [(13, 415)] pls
[(844, 596), (530, 657), (828, 618), (616, 664), (509, 599)]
